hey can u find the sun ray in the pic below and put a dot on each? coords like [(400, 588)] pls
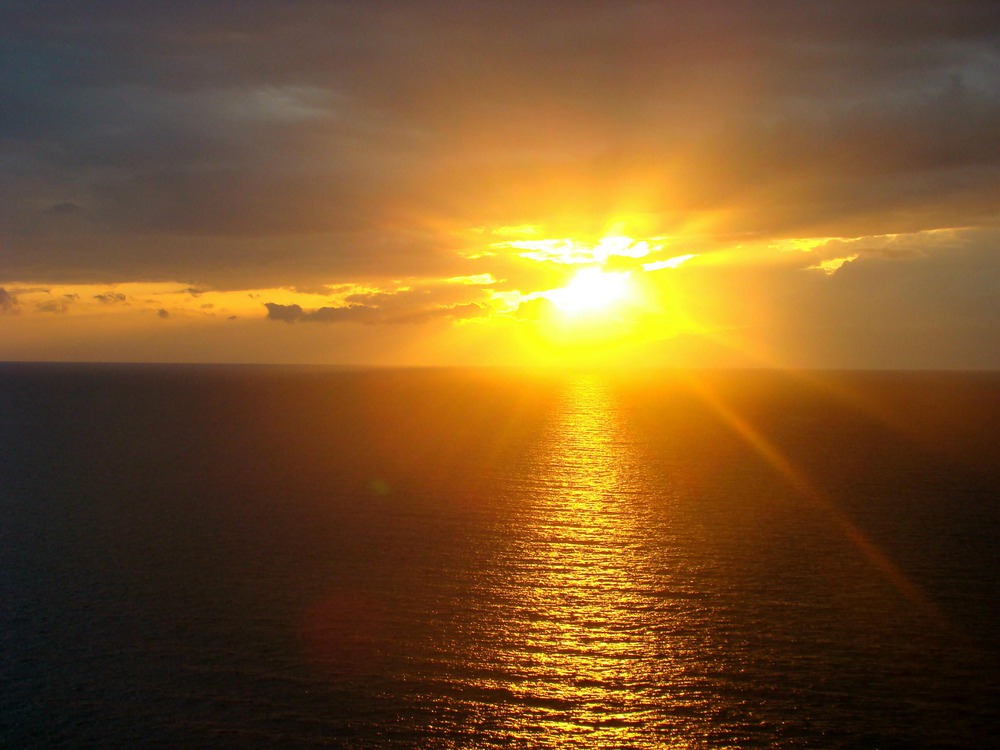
[(799, 482)]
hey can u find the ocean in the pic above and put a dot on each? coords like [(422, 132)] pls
[(206, 556)]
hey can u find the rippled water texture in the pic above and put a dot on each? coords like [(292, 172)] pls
[(261, 557)]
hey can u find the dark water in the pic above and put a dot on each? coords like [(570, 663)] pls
[(252, 557)]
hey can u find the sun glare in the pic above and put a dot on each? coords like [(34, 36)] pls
[(591, 290)]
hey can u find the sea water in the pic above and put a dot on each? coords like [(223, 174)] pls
[(206, 556)]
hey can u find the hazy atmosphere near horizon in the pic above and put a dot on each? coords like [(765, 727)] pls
[(784, 184)]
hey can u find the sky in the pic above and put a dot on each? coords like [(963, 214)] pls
[(703, 184)]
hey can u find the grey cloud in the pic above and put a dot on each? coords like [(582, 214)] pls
[(380, 316), (7, 301), (956, 282), (914, 310), (110, 298), (190, 131), (345, 314), (287, 313), (53, 306), (411, 306), (163, 313), (933, 308), (892, 247), (66, 208), (235, 200)]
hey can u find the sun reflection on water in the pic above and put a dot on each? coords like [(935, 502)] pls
[(584, 648)]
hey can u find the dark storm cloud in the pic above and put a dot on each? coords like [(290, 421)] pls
[(193, 131)]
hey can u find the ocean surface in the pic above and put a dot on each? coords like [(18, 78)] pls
[(206, 556)]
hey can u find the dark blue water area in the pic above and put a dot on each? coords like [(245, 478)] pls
[(200, 556)]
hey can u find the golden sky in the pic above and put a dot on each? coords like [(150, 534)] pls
[(699, 184)]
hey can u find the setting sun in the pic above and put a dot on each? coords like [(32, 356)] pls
[(591, 290), (567, 374)]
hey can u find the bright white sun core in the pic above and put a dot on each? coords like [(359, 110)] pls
[(590, 290)]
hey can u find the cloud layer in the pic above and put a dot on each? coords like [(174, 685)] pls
[(383, 147), (342, 132)]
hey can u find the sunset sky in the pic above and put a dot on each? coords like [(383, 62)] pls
[(437, 183)]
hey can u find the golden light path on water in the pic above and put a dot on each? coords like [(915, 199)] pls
[(596, 627)]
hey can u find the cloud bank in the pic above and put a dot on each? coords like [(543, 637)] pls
[(319, 146), (144, 142)]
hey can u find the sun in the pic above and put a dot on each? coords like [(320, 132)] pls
[(591, 290)]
